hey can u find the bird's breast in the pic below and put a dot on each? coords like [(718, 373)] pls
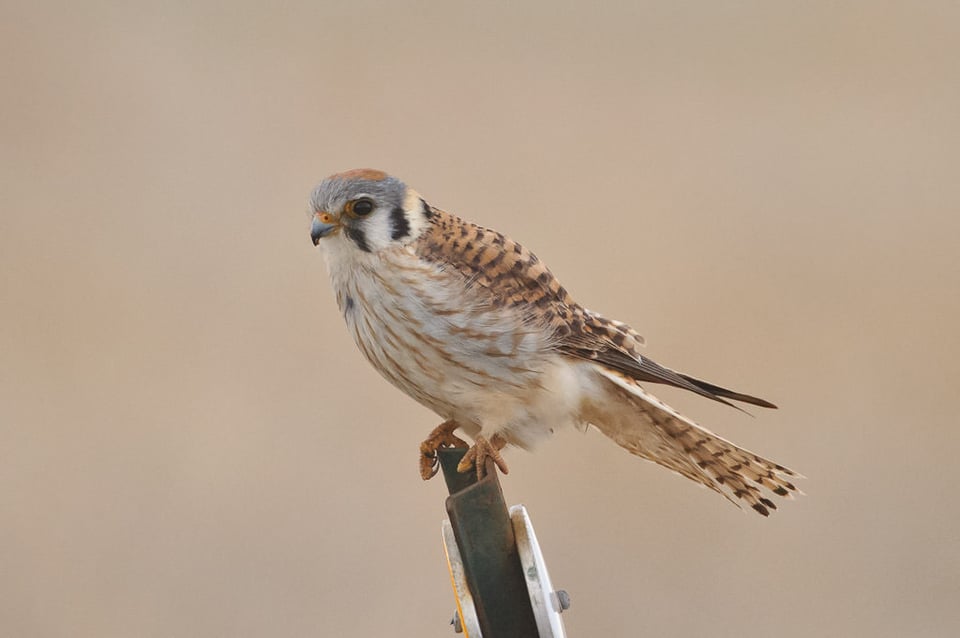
[(434, 336)]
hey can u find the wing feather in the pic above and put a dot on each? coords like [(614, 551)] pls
[(512, 276)]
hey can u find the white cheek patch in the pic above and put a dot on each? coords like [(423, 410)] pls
[(378, 229), (413, 204)]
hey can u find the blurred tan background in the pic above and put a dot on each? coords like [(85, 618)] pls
[(191, 445)]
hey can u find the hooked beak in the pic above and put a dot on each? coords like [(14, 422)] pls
[(323, 224)]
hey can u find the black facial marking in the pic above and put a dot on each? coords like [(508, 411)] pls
[(427, 211), (356, 235), (401, 227)]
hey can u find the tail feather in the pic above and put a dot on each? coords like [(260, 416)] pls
[(649, 428)]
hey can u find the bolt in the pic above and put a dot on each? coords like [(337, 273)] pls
[(563, 598)]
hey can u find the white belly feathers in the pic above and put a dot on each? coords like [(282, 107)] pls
[(449, 348)]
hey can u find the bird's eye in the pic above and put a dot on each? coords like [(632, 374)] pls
[(361, 207)]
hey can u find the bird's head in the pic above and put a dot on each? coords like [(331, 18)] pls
[(368, 209)]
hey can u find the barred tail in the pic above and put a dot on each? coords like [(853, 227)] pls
[(649, 428)]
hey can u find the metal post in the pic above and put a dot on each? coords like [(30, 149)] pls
[(485, 536)]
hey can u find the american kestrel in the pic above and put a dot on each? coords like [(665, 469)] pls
[(475, 327)]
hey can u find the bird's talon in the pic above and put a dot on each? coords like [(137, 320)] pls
[(480, 451), (428, 467), (466, 462), (442, 436)]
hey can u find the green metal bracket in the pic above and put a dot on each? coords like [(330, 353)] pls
[(484, 533)]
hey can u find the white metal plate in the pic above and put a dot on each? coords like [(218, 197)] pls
[(465, 608), (546, 604)]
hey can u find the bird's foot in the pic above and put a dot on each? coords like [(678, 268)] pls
[(442, 436), (481, 450)]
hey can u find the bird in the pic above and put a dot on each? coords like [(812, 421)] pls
[(475, 327)]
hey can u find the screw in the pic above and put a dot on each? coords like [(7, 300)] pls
[(563, 598)]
